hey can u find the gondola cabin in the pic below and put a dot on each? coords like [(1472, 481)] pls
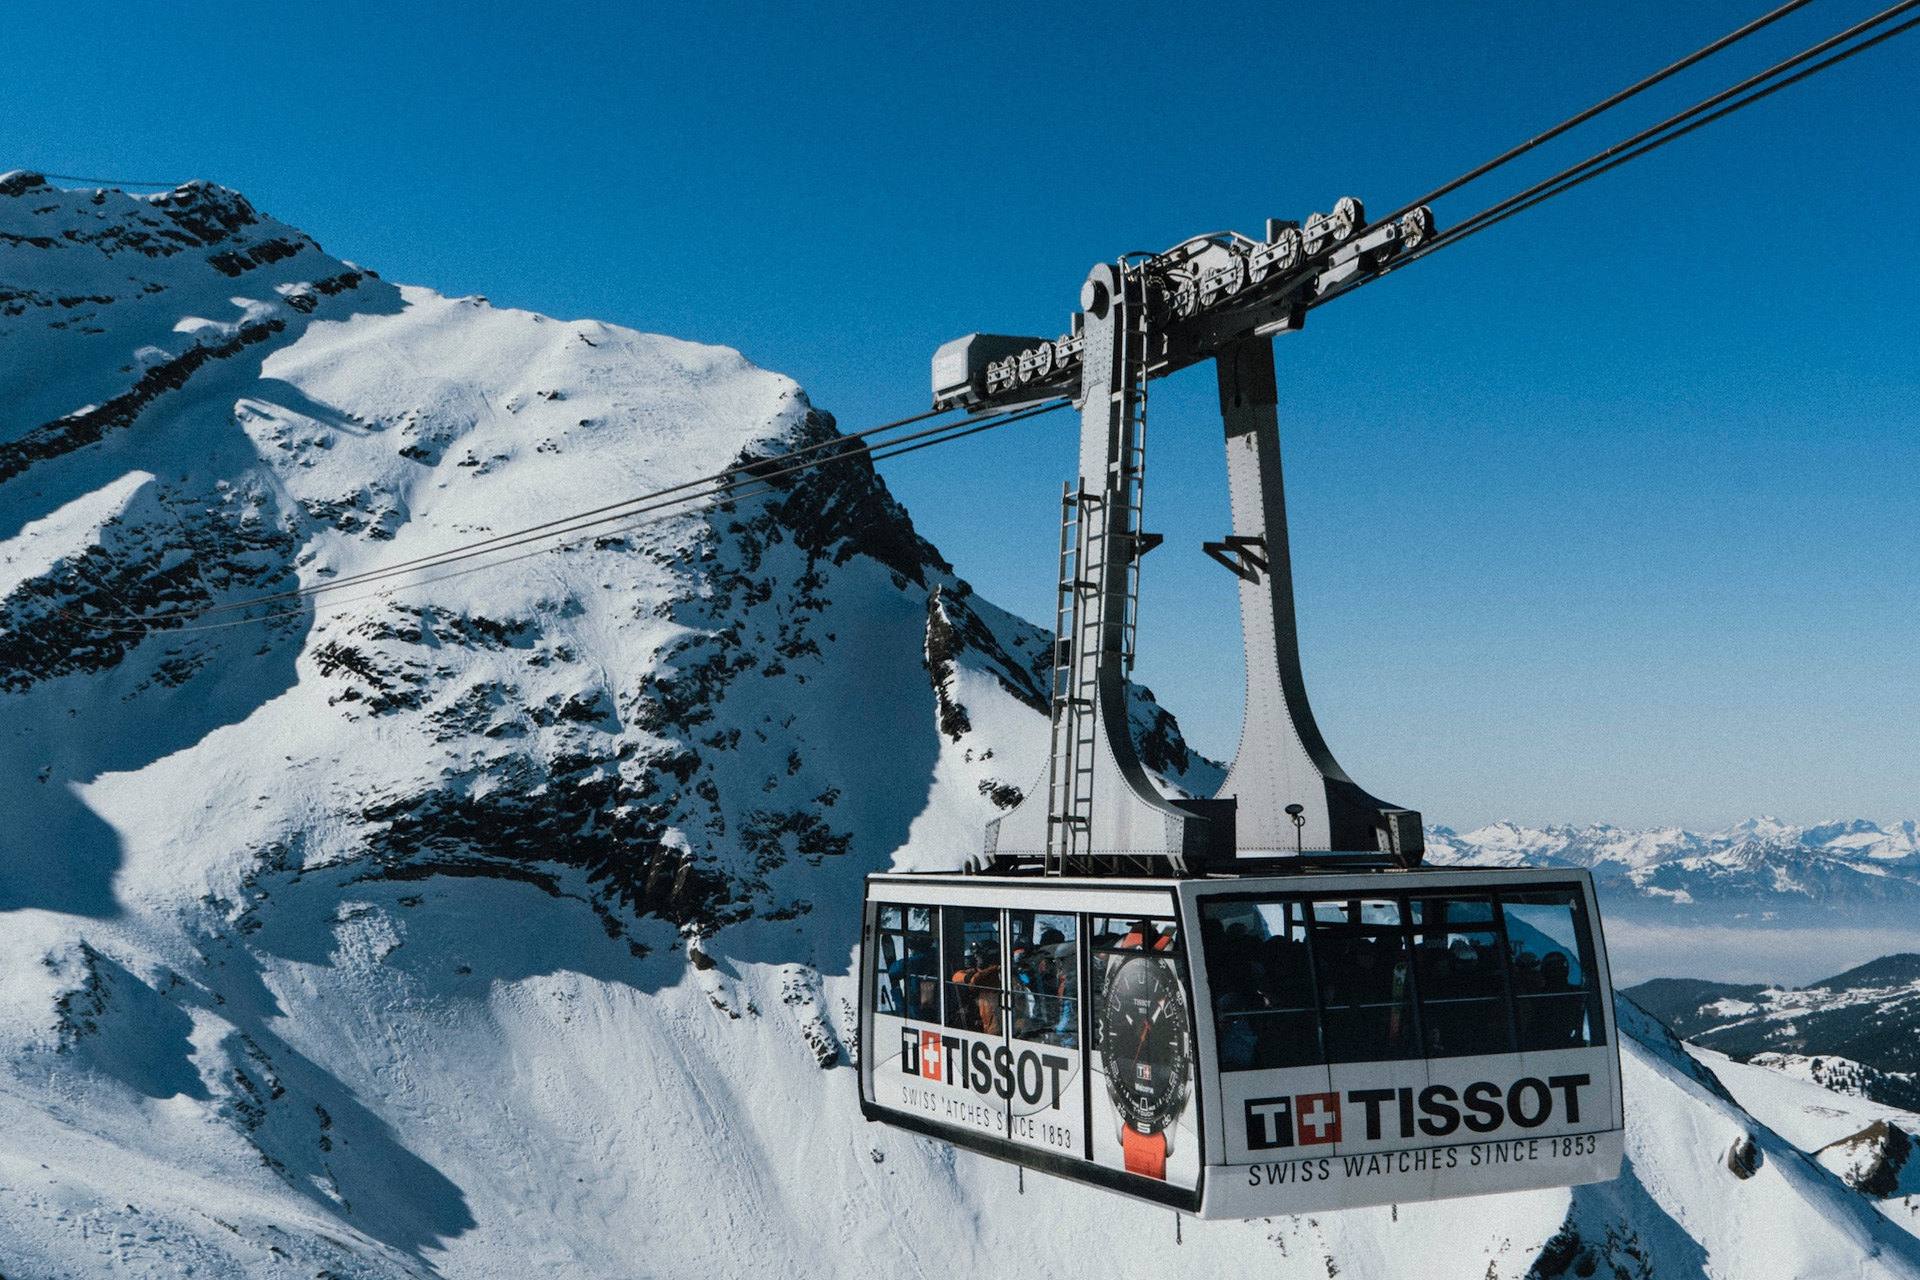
[(1239, 1046), (1251, 1002)]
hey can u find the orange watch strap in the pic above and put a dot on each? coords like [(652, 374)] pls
[(1146, 1153)]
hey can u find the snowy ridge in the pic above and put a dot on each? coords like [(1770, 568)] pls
[(1853, 1032), (1868, 1145), (1600, 844), (1759, 871), (504, 923)]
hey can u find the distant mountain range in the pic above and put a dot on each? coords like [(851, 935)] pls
[(1857, 1032), (1760, 871)]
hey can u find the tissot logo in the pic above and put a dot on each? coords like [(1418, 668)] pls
[(1310, 1119), (984, 1066)]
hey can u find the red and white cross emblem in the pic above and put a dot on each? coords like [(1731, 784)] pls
[(929, 1055), (1319, 1117)]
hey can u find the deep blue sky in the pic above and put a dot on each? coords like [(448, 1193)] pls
[(1607, 514)]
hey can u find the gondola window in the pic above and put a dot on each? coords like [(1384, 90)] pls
[(1461, 978), (1360, 958), (1556, 1003), (972, 947), (1262, 979), (908, 957), (1297, 981), (1045, 991)]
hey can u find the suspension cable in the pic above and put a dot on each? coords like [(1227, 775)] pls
[(1535, 195), (563, 525), (108, 182), (1607, 104), (722, 486), (1658, 135)]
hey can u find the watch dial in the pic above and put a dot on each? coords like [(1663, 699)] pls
[(1143, 1036)]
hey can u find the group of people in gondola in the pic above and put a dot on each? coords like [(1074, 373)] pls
[(1041, 1000), (1267, 1015)]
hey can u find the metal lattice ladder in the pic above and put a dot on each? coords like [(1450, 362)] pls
[(1132, 476), (1089, 539), (1078, 618)]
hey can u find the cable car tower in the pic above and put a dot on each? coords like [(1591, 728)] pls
[(1220, 297), (1147, 994)]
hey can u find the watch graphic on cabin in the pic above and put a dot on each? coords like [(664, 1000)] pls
[(1143, 1038)]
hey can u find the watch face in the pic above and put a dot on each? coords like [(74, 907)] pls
[(1143, 1035)]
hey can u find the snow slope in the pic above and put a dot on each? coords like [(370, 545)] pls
[(1795, 1098), (1751, 871), (504, 922)]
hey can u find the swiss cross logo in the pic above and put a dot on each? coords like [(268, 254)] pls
[(930, 1055), (1319, 1117), (1269, 1123)]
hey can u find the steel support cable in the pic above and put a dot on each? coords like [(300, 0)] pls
[(563, 525), (1607, 104), (763, 484), (1656, 136), (1613, 156), (106, 182), (1515, 204), (704, 487)]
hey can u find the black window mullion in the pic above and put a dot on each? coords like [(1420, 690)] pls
[(1590, 980), (1413, 980), (1084, 993), (944, 975), (1506, 973), (1308, 928)]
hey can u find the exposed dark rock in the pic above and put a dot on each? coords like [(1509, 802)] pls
[(1870, 1161), (87, 426)]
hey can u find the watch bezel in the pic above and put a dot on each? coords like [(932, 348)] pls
[(1171, 1099)]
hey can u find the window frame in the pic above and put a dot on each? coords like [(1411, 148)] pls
[(1577, 900)]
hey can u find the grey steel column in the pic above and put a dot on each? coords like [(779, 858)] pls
[(1282, 759)]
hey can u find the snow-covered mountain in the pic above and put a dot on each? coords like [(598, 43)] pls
[(501, 923), (1760, 870), (1855, 1032)]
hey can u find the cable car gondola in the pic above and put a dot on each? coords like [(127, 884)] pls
[(1243, 1045), (1256, 1002)]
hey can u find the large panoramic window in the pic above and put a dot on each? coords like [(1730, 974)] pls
[(1262, 976), (1461, 977), (1360, 961), (1556, 1004), (973, 969), (1300, 980)]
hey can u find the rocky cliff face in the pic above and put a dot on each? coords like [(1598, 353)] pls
[(501, 918)]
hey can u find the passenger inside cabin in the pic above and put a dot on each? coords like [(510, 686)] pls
[(922, 983), (1526, 973), (984, 978), (1560, 1020)]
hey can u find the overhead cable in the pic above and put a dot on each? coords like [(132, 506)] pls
[(562, 525), (1675, 126), (1606, 104), (108, 182), (723, 488)]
